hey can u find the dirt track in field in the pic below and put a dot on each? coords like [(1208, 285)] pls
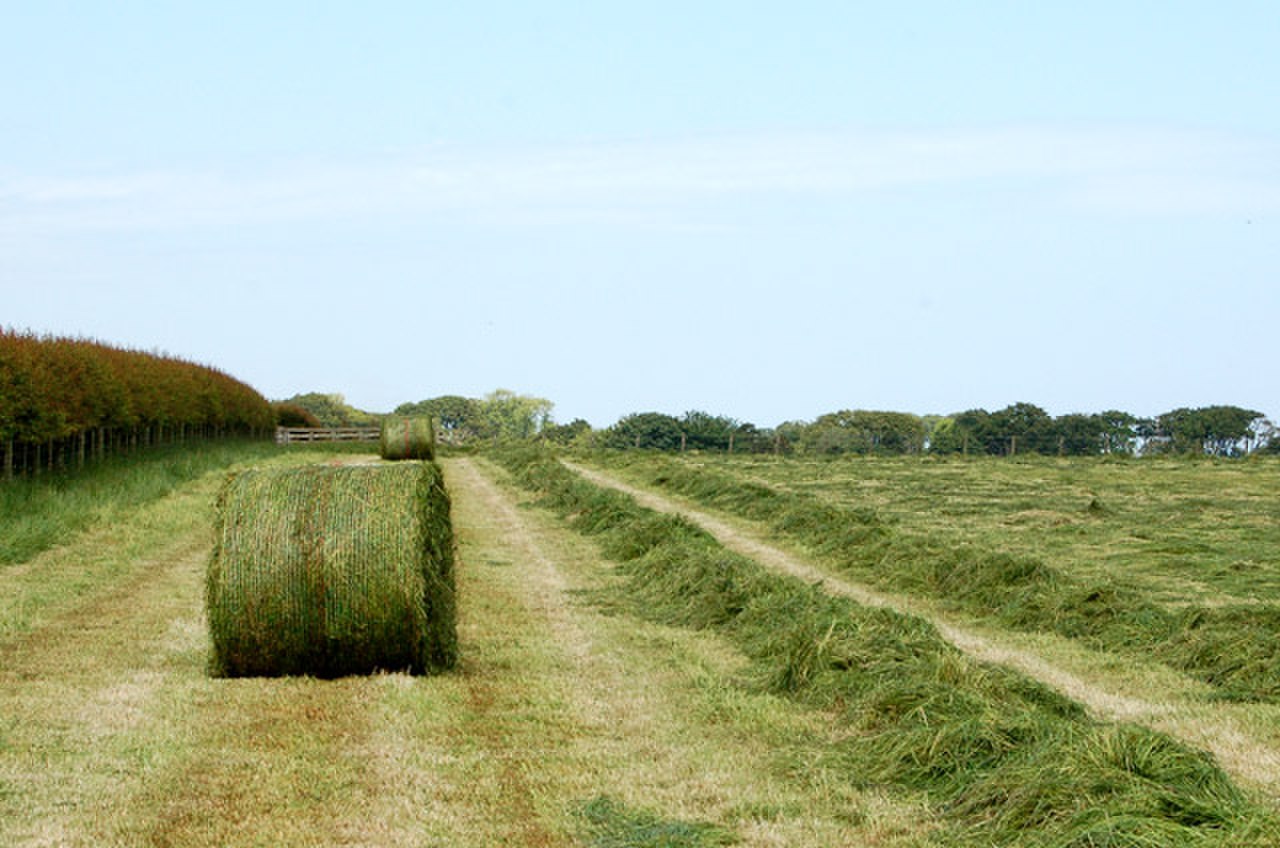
[(619, 715), (1240, 753), (546, 598)]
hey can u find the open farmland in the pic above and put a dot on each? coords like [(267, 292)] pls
[(624, 680), (983, 578), (561, 726), (1102, 580), (1185, 531)]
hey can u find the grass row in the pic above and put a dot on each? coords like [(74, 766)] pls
[(1231, 647), (1003, 760)]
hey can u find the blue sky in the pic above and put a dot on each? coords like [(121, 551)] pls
[(765, 211)]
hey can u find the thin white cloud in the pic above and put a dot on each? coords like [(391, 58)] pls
[(1117, 170)]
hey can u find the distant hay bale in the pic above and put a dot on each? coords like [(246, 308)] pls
[(408, 438), (329, 571)]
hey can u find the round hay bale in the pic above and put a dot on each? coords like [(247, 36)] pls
[(330, 571), (408, 438)]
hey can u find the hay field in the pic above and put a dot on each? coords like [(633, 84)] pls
[(1196, 657), (1002, 759), (564, 723), (1167, 561), (622, 681), (1183, 530)]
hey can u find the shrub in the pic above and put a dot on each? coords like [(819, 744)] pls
[(292, 415)]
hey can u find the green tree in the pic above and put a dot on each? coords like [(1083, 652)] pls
[(1230, 430), (865, 432), (645, 430), (501, 414), (1269, 438), (945, 437), (1265, 436), (504, 414), (894, 432), (751, 439), (704, 431), (1020, 428), (789, 435), (970, 432), (1117, 431), (292, 415), (457, 418), (332, 410), (1076, 434), (1213, 430), (567, 434)]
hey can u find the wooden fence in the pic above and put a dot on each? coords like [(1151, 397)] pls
[(290, 435)]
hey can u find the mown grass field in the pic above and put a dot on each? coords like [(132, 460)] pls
[(1184, 530), (950, 541), (1077, 549), (563, 725), (624, 681)]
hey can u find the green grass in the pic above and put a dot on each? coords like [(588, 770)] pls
[(683, 694), (113, 733), (606, 823), (90, 533), (1004, 760), (980, 568), (40, 512), (1183, 530)]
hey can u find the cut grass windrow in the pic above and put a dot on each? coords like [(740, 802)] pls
[(1004, 760), (1233, 648), (608, 824)]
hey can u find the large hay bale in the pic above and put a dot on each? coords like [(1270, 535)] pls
[(408, 438), (330, 571)]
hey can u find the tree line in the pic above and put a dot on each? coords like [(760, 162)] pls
[(65, 401), (500, 415), (1020, 428)]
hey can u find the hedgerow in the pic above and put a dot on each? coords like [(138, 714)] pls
[(64, 401)]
